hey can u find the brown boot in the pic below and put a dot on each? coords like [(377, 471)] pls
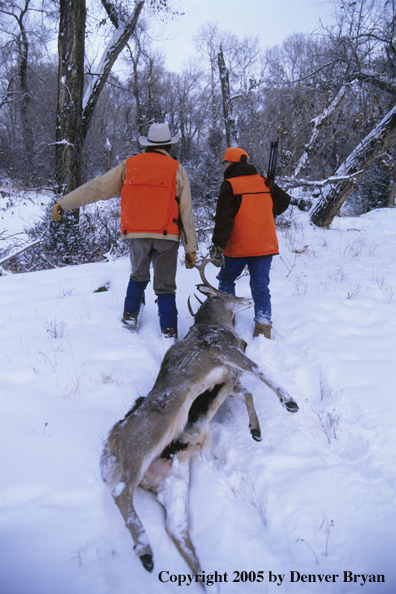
[(169, 333), (130, 321), (262, 329)]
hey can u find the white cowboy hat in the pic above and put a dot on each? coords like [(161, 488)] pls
[(158, 135)]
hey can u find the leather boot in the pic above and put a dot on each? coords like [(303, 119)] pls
[(169, 333), (130, 320), (262, 329)]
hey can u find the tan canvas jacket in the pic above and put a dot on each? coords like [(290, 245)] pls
[(110, 184)]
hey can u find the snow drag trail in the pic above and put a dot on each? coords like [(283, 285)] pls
[(316, 495)]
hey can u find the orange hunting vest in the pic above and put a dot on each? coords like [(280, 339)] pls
[(148, 195), (254, 232)]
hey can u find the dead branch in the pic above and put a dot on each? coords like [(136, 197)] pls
[(293, 182), (18, 252)]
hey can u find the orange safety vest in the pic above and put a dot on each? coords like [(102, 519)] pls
[(148, 195), (254, 232)]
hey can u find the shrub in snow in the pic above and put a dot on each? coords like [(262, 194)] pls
[(95, 235), (372, 193)]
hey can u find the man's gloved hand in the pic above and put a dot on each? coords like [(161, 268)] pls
[(57, 212), (216, 253), (190, 260)]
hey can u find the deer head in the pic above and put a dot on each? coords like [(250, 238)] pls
[(220, 308)]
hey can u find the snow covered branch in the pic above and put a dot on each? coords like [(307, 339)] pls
[(293, 182), (319, 122), (306, 204), (378, 141), (17, 252), (125, 25)]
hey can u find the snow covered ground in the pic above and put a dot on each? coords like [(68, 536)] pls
[(315, 497)]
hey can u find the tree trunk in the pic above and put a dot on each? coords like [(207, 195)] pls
[(136, 92), (69, 141), (229, 119), (75, 110), (150, 94), (27, 132), (379, 140), (390, 199)]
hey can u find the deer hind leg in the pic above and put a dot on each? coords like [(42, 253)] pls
[(123, 497), (246, 397), (232, 356), (173, 495)]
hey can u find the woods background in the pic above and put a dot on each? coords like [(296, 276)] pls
[(81, 81)]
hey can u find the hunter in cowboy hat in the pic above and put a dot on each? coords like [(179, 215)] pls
[(156, 212)]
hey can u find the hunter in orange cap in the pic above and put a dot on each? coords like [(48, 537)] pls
[(234, 155), (245, 233)]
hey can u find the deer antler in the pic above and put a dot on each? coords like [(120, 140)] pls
[(189, 307), (189, 304), (201, 268)]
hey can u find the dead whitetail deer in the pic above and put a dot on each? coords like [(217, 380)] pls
[(153, 445)]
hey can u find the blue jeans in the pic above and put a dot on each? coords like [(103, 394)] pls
[(259, 268)]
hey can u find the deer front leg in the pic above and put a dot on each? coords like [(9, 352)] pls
[(246, 397), (235, 358), (123, 497), (173, 495)]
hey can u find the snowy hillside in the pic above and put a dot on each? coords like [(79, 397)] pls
[(315, 497)]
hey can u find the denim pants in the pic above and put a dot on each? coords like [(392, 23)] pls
[(259, 268)]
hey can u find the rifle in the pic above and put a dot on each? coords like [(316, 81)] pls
[(273, 160)]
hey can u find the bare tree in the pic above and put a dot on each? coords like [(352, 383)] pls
[(140, 53), (207, 42), (17, 13), (75, 110), (229, 119)]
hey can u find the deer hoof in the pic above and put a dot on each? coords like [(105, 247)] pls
[(291, 406), (147, 562), (256, 434)]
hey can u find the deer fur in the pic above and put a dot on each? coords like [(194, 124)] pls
[(154, 443)]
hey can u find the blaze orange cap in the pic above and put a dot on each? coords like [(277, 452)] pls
[(234, 155)]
